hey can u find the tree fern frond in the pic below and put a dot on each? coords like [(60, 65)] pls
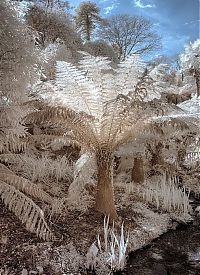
[(26, 210), (26, 187), (88, 89), (35, 103), (13, 144), (47, 140), (114, 119), (127, 76), (98, 70), (131, 132), (93, 66), (50, 116), (9, 158), (67, 119), (179, 121), (77, 86), (5, 169)]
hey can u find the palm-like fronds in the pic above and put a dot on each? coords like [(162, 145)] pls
[(16, 193), (26, 210), (27, 187), (101, 109), (87, 89)]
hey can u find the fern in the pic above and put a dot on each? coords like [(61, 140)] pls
[(88, 89), (101, 109), (27, 187), (4, 169), (26, 210), (15, 192)]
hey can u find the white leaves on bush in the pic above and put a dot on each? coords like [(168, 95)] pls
[(113, 248)]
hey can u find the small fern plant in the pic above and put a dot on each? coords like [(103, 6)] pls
[(90, 104)]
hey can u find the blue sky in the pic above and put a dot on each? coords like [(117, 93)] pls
[(177, 21)]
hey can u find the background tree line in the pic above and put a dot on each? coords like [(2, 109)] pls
[(116, 37)]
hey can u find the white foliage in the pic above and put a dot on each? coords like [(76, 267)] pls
[(92, 256), (191, 106), (84, 169), (87, 88), (21, 8), (160, 83), (49, 52), (44, 168), (168, 197), (114, 247), (190, 59), (128, 74), (85, 166)]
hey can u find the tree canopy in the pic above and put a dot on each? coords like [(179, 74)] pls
[(130, 35), (87, 18)]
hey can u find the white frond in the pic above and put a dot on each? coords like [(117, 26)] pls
[(89, 87), (130, 70), (84, 169)]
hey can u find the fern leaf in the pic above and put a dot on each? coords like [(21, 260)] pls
[(130, 70), (5, 169), (9, 158), (13, 144), (88, 87), (26, 187), (48, 140), (77, 123), (26, 210)]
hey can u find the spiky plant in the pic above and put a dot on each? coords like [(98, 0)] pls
[(89, 103)]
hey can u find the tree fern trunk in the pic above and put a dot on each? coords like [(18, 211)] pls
[(105, 195), (138, 170), (181, 157), (157, 155)]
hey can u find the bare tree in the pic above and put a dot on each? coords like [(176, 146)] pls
[(130, 35), (87, 17)]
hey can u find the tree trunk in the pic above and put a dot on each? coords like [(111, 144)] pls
[(197, 77), (138, 170), (105, 194), (181, 157), (87, 28), (156, 155)]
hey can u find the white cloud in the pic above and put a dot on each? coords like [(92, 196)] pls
[(113, 5), (139, 4), (192, 22), (108, 9)]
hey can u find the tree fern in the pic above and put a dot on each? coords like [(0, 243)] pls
[(101, 109)]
